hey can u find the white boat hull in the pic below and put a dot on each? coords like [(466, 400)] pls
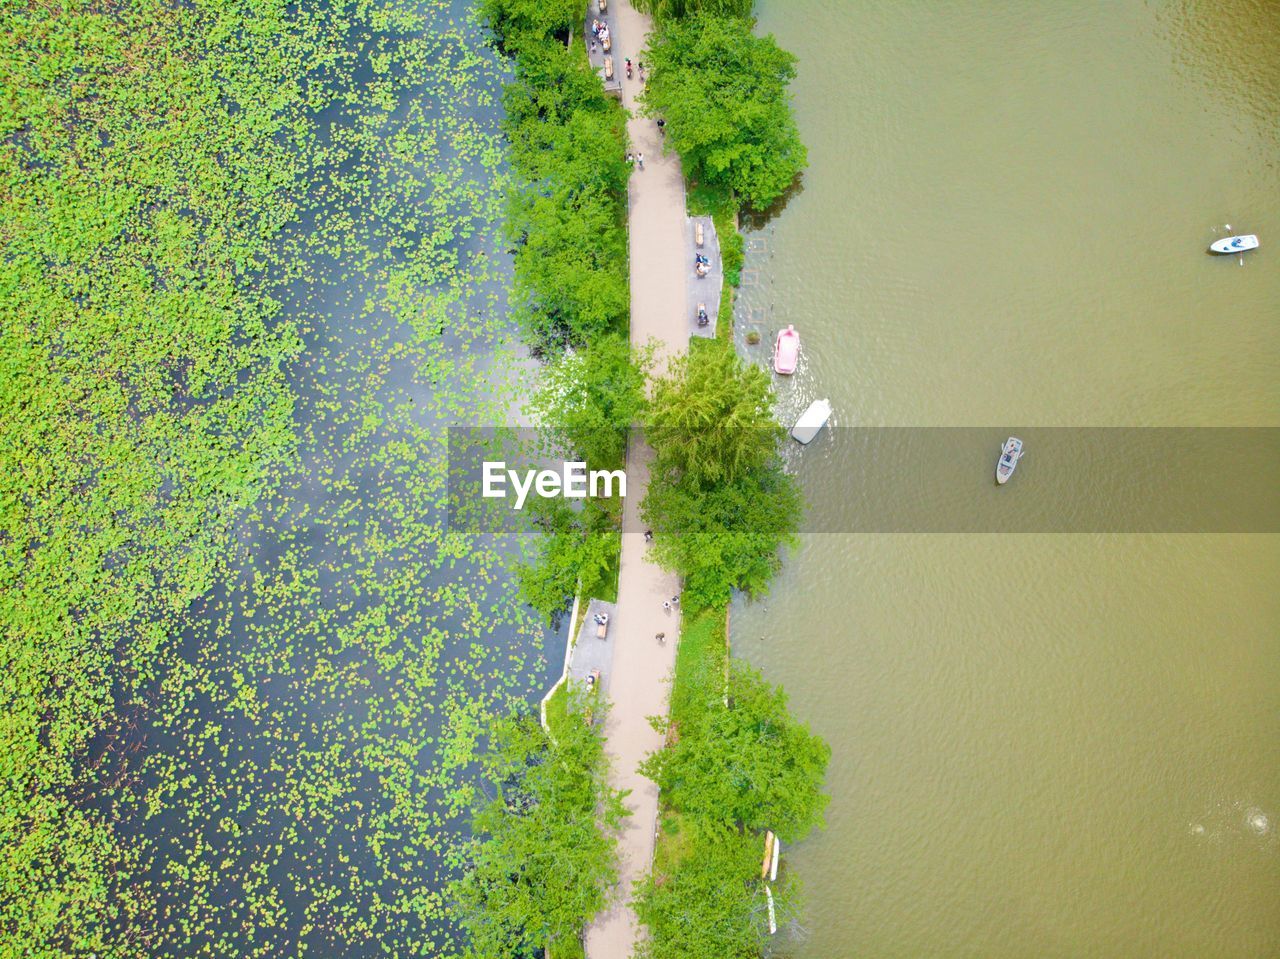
[(811, 421), (1235, 244), (1010, 453)]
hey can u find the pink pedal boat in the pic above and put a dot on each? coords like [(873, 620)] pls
[(786, 351)]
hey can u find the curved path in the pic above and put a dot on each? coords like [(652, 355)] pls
[(642, 668)]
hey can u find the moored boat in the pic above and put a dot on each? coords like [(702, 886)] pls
[(1235, 244), (1008, 462), (786, 351), (811, 421)]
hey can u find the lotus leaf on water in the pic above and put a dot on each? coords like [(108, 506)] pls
[(251, 270)]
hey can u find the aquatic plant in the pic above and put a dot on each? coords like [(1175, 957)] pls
[(249, 273)]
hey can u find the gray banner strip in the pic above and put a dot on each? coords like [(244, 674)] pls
[(942, 480)]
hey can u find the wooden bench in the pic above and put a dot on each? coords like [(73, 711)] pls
[(698, 237), (604, 7), (607, 43), (608, 68)]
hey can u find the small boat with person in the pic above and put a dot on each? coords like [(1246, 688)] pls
[(1008, 462), (811, 422), (1235, 244), (786, 351)]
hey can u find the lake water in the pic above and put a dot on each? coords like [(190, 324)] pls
[(1044, 744), (300, 780)]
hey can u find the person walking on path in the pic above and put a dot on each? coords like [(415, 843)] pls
[(661, 638), (666, 606), (640, 160)]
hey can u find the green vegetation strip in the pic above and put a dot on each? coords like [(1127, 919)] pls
[(722, 507)]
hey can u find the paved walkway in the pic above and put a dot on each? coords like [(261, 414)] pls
[(641, 667)]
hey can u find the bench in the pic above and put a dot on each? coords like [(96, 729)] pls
[(604, 7), (608, 68), (698, 238)]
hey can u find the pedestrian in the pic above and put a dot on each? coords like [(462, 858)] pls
[(666, 606), (675, 600), (662, 125), (648, 536), (661, 638), (630, 158), (640, 160)]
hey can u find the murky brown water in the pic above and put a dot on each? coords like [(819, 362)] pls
[(1044, 745)]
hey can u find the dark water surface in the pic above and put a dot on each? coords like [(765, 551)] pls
[(304, 776), (1045, 744)]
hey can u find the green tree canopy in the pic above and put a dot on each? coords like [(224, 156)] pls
[(588, 400), (750, 765), (566, 216), (718, 498), (516, 21), (546, 847), (578, 545), (712, 905), (723, 93), (711, 417), (725, 536), (674, 9)]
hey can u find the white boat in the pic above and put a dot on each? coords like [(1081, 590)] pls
[(1009, 456), (1235, 244), (786, 351), (811, 421)]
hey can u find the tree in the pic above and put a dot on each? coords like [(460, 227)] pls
[(711, 906), (589, 399), (711, 416), (546, 844), (718, 498), (579, 545), (747, 766), (674, 9), (726, 536), (723, 93), (566, 216), (522, 20)]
